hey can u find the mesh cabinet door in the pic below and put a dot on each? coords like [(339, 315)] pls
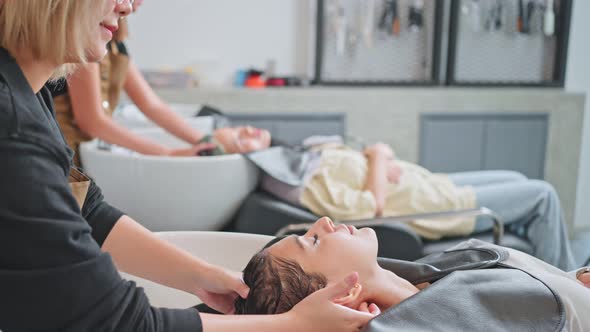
[(378, 42), (504, 42)]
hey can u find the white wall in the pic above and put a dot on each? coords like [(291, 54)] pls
[(578, 79), (219, 36)]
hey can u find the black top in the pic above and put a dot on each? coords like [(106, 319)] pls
[(53, 275)]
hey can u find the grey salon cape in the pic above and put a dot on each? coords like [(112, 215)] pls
[(477, 286), (288, 165)]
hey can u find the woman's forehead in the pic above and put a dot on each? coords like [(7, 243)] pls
[(273, 241), (286, 247)]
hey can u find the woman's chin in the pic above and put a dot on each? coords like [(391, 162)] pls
[(369, 233), (368, 237), (96, 54)]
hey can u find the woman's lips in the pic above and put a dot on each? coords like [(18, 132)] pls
[(351, 229), (111, 28), (256, 132)]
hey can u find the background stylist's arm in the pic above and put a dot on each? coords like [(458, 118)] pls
[(155, 108), (84, 90)]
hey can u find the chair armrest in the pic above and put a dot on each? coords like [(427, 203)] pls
[(498, 228)]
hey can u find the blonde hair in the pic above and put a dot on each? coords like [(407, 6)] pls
[(123, 32), (51, 30)]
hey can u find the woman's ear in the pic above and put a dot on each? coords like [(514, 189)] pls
[(352, 299)]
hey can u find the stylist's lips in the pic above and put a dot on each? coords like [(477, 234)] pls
[(111, 29)]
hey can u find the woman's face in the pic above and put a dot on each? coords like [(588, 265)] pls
[(334, 251), (106, 25), (243, 139)]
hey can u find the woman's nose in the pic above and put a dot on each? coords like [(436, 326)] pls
[(323, 226), (124, 8)]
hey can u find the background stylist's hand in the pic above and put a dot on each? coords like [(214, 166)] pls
[(192, 151), (219, 288), (318, 312)]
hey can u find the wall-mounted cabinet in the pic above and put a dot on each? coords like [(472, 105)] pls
[(438, 42), (467, 142)]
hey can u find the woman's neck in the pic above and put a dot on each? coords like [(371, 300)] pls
[(386, 289), (36, 72)]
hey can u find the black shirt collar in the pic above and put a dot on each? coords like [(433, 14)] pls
[(21, 91), (13, 75), (23, 96)]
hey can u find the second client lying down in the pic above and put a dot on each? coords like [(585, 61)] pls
[(343, 183)]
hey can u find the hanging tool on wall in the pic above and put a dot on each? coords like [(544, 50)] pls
[(472, 10), (526, 9), (416, 16), (354, 33), (396, 27), (368, 22), (341, 24), (549, 19), (495, 16), (389, 21)]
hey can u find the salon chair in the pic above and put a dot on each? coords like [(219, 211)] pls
[(262, 213)]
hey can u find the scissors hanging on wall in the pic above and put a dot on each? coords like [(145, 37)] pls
[(338, 24)]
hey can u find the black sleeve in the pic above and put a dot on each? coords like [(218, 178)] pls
[(53, 275), (99, 214)]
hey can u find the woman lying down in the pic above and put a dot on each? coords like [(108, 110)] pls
[(475, 286)]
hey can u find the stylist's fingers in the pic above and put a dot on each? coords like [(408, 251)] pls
[(342, 288), (240, 287), (371, 308), (233, 282), (585, 279), (374, 309), (364, 307)]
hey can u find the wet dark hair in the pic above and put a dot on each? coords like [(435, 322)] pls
[(276, 285)]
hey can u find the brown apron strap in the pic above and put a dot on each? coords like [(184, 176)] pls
[(79, 183)]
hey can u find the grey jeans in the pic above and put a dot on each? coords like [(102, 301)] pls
[(530, 208)]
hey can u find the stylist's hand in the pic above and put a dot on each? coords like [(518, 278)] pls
[(192, 151), (370, 308), (219, 288), (318, 312)]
